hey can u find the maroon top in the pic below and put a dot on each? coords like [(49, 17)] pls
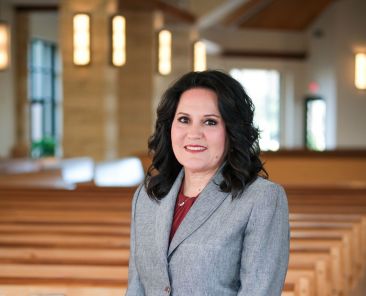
[(182, 206)]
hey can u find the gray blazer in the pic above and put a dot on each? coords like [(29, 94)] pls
[(223, 247)]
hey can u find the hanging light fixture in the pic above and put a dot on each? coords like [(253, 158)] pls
[(4, 45), (199, 56), (81, 38), (360, 70), (165, 52), (118, 40)]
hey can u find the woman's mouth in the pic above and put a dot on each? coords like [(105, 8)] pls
[(195, 148)]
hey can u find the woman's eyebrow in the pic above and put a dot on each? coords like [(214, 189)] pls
[(205, 115), (212, 115)]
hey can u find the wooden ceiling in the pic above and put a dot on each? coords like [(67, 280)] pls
[(291, 15)]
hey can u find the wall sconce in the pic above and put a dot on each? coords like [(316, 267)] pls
[(118, 40), (199, 56), (360, 71), (4, 46), (165, 52), (81, 38)]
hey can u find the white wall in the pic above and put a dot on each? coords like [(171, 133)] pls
[(331, 64), (44, 25), (321, 67), (351, 27), (7, 102)]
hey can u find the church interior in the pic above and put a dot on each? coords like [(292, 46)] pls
[(80, 84)]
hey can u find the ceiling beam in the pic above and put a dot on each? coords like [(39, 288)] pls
[(171, 11), (36, 8), (301, 55), (220, 12), (178, 13), (233, 18), (283, 14)]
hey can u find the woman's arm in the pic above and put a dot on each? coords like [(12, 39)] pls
[(265, 253), (134, 285)]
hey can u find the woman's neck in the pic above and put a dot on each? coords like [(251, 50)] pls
[(194, 182)]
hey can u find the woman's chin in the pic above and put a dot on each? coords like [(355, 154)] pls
[(197, 168)]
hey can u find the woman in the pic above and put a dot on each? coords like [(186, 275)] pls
[(205, 222)]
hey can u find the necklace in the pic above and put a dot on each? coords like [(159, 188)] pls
[(181, 204)]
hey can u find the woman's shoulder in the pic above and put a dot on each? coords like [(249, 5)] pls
[(261, 183), (138, 190), (141, 197), (261, 190)]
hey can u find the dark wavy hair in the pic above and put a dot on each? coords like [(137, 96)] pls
[(242, 163)]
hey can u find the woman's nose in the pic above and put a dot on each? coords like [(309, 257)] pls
[(195, 132)]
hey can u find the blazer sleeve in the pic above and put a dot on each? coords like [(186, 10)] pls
[(265, 251), (135, 287)]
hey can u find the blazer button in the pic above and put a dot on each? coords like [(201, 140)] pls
[(167, 289)]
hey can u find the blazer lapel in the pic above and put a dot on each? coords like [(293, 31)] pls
[(208, 201), (164, 217)]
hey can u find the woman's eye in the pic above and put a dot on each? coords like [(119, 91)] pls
[(183, 119), (210, 122)]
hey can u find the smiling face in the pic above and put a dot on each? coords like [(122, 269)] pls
[(198, 132)]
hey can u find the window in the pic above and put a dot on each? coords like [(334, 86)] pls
[(43, 96), (315, 110), (263, 87)]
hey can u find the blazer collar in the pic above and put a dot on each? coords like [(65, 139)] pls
[(164, 216), (208, 201)]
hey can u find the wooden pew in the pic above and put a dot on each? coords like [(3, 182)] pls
[(334, 250), (329, 229), (45, 179), (355, 227), (321, 262), (337, 211), (67, 289), (69, 221), (47, 230), (354, 269), (85, 274), (304, 167), (297, 285), (18, 166), (73, 256), (60, 241), (350, 266), (303, 281)]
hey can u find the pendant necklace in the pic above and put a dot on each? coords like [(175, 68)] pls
[(181, 204)]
